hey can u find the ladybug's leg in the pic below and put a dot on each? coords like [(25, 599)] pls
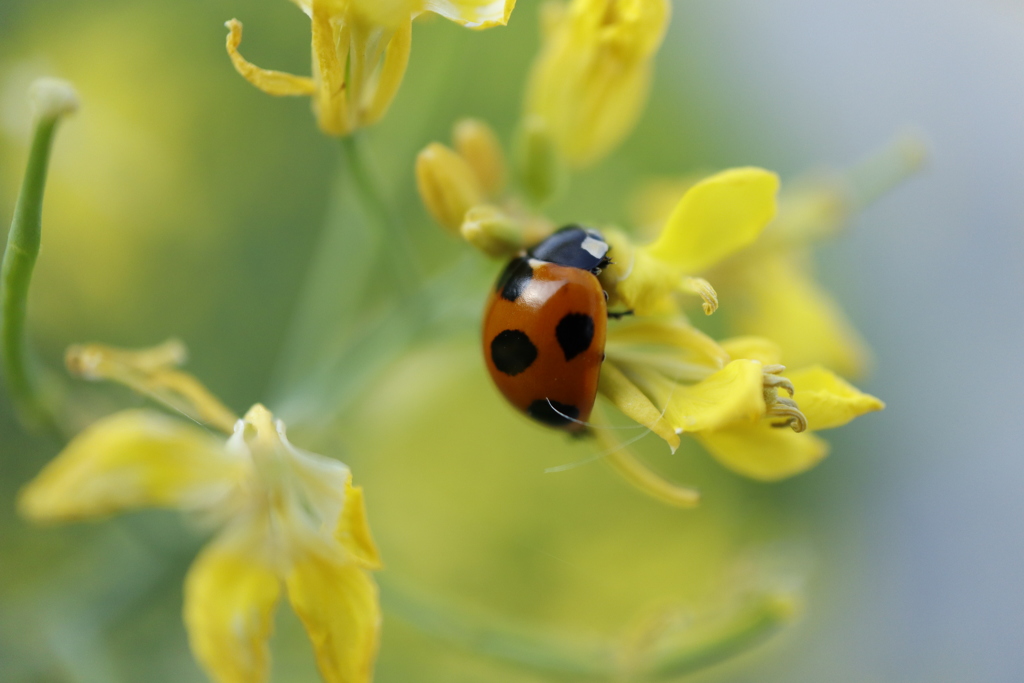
[(617, 315)]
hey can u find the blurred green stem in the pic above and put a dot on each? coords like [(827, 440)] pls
[(664, 659), (761, 618), (398, 253), (360, 240), (24, 381), (885, 168)]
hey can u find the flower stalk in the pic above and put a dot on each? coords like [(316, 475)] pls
[(398, 253), (664, 652), (52, 100)]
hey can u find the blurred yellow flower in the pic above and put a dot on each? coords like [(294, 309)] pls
[(672, 378), (286, 516), (590, 81), (360, 53)]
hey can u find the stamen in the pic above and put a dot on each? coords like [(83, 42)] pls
[(777, 406), (776, 382), (703, 289), (788, 409)]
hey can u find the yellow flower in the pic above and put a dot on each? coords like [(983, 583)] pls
[(659, 370), (770, 287), (672, 378), (360, 53), (590, 81), (714, 218), (287, 518)]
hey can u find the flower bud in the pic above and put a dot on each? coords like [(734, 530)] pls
[(52, 97), (492, 231), (447, 185), (591, 79), (540, 167), (478, 145)]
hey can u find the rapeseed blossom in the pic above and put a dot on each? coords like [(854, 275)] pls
[(674, 379), (659, 369), (360, 54), (716, 217), (287, 518), (770, 285)]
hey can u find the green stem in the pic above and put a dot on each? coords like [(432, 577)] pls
[(21, 369), (760, 620), (496, 640), (361, 238), (397, 253), (597, 659), (885, 168)]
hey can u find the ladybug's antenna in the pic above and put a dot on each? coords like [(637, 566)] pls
[(569, 418), (599, 456)]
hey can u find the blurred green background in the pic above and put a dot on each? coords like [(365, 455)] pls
[(182, 202)]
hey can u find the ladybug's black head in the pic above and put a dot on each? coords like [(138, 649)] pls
[(574, 246)]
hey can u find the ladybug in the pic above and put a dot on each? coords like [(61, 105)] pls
[(544, 328)]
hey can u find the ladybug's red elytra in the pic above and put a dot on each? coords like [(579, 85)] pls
[(545, 325)]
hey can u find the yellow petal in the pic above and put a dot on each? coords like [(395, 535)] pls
[(353, 530), (332, 94), (827, 400), (761, 451), (621, 459), (754, 348), (392, 71), (477, 14), (339, 607), (133, 459), (651, 204), (776, 296), (687, 342), (654, 485), (717, 217), (734, 394), (628, 398), (387, 14), (270, 82), (230, 594)]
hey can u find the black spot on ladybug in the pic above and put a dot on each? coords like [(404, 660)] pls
[(514, 278), (512, 352), (574, 332), (552, 412)]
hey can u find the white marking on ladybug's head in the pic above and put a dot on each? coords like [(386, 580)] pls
[(595, 247)]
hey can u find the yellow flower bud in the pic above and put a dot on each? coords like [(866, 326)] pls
[(540, 167), (478, 145), (447, 185), (492, 231), (591, 79)]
